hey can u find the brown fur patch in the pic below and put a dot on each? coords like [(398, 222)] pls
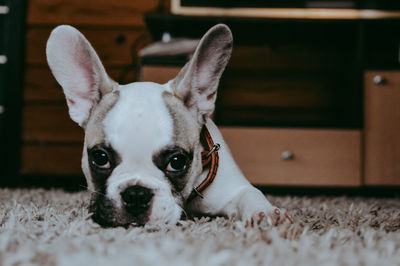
[(94, 133), (186, 135), (186, 127)]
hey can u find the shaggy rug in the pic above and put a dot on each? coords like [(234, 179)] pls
[(51, 227)]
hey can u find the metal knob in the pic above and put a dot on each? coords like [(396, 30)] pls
[(166, 37), (4, 10), (3, 59), (379, 80), (287, 156), (2, 109)]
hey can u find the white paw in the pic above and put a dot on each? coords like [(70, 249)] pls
[(273, 216)]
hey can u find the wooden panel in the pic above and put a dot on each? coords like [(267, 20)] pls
[(306, 91), (90, 12), (382, 127), (299, 56), (291, 13), (64, 159), (49, 123), (159, 74), (321, 157), (41, 86), (306, 82), (274, 116), (117, 46), (300, 76)]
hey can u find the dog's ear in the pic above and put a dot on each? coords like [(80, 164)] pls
[(78, 70), (197, 82)]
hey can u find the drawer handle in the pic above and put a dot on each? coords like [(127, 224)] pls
[(379, 80), (287, 156), (4, 10), (3, 59)]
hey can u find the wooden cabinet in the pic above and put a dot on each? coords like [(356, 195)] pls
[(382, 127), (290, 102), (297, 157)]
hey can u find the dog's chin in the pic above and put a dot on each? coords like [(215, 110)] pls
[(113, 219), (106, 214)]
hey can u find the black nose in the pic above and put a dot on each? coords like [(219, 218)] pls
[(136, 199)]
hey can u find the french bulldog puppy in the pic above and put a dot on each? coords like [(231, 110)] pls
[(142, 155)]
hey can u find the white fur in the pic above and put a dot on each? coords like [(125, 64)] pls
[(135, 128)]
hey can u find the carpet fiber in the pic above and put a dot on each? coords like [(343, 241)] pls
[(51, 227)]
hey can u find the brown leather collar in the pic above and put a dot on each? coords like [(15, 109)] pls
[(209, 158)]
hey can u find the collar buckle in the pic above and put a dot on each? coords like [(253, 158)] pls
[(209, 158), (214, 148)]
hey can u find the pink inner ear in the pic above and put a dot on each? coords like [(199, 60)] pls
[(86, 83), (203, 77)]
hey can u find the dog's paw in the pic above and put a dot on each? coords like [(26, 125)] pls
[(273, 216)]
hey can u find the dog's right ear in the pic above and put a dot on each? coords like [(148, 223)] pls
[(78, 70)]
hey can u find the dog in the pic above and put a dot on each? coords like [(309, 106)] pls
[(151, 152)]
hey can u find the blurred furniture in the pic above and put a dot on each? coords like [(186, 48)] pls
[(299, 104), (12, 22), (382, 127), (292, 95)]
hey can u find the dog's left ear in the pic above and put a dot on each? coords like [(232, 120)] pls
[(197, 82)]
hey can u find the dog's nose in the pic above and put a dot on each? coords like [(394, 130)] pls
[(137, 199)]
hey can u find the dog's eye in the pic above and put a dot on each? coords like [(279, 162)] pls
[(99, 158), (177, 163)]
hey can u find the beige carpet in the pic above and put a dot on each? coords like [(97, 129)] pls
[(39, 227)]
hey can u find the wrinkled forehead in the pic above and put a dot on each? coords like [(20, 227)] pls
[(140, 121)]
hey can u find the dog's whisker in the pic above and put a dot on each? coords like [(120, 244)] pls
[(89, 216), (184, 213)]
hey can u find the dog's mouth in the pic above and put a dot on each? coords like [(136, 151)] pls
[(106, 214), (113, 221)]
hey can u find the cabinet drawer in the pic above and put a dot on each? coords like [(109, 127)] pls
[(318, 157), (382, 127)]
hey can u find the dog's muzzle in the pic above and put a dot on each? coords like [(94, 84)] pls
[(136, 200), (136, 206)]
